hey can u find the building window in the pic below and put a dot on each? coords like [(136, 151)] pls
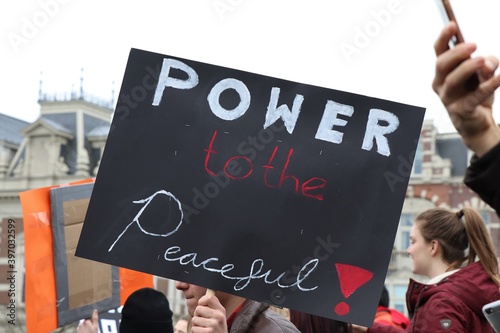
[(400, 307), (405, 240), (400, 291), (397, 295), (407, 219), (399, 298), (417, 162), (486, 217), (405, 225)]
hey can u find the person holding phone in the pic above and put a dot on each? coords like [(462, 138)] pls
[(471, 112), (445, 246)]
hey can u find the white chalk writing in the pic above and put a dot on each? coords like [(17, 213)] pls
[(256, 271)]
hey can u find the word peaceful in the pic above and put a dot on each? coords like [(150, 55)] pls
[(379, 123), (212, 264)]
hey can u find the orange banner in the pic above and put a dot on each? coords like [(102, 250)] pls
[(41, 302)]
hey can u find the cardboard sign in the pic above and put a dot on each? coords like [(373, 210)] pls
[(45, 279), (82, 285), (273, 190)]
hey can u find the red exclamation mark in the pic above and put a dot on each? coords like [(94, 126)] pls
[(351, 278)]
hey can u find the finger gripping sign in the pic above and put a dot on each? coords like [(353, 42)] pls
[(273, 190)]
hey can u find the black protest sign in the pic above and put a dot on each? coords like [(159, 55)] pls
[(273, 190)]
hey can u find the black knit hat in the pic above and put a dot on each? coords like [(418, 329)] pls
[(146, 310)]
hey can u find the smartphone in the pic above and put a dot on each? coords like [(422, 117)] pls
[(447, 14), (492, 313)]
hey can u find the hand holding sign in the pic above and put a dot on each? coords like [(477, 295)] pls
[(90, 325), (210, 314)]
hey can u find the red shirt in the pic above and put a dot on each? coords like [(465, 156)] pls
[(232, 316), (391, 317)]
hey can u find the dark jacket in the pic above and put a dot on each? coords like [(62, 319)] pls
[(453, 305), (255, 317), (483, 177)]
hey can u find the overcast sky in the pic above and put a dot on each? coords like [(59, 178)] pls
[(378, 48)]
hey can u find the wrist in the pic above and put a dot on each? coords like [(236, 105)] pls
[(480, 145)]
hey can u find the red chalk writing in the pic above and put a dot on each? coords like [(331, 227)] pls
[(309, 188)]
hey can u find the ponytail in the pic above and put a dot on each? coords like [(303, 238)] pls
[(480, 243)]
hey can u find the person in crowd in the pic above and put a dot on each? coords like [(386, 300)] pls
[(145, 310), (308, 323), (388, 316), (181, 325), (471, 112), (444, 247), (222, 313)]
